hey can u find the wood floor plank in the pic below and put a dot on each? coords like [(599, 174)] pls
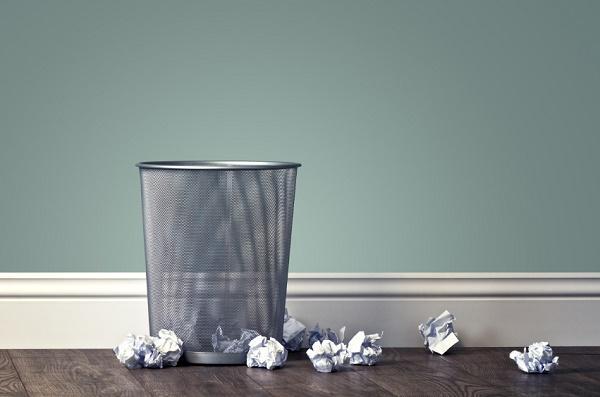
[(298, 377), (70, 373), (10, 383), (586, 366), (402, 372), (493, 365), (416, 372), (62, 353), (198, 380)]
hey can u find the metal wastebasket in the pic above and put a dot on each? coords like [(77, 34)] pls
[(217, 239)]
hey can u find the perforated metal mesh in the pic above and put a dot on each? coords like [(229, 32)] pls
[(217, 250)]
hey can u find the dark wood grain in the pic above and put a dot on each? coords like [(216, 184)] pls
[(496, 368), (70, 373), (10, 383), (416, 372), (402, 372), (298, 377), (188, 380)]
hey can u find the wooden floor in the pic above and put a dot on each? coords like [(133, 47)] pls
[(403, 372)]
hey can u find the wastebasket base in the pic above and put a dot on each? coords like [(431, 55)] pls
[(215, 358)]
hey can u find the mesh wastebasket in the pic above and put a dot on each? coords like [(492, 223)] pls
[(217, 238)]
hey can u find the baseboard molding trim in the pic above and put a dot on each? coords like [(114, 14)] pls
[(325, 285), (95, 310)]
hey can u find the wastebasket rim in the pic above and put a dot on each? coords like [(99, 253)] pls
[(218, 165)]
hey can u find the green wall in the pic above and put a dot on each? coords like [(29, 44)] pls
[(435, 135)]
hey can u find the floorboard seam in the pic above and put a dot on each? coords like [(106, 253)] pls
[(258, 384), (506, 389), (148, 393), (10, 357), (137, 381), (380, 387)]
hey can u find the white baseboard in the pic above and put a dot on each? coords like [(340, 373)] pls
[(95, 310)]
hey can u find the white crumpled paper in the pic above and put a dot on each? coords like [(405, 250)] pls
[(438, 333), (223, 344), (364, 349), (266, 353), (293, 332), (150, 352), (327, 356), (319, 335), (537, 358)]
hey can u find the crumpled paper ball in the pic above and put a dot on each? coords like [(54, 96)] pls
[(438, 333), (363, 349), (150, 352), (266, 353), (168, 346), (327, 356), (223, 344), (319, 334), (537, 358), (293, 333)]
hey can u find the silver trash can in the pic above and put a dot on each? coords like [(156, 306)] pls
[(217, 239)]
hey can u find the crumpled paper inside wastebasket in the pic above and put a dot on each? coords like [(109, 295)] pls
[(364, 349), (327, 356), (438, 333), (150, 352), (319, 335), (224, 344), (266, 353), (537, 358), (293, 332)]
